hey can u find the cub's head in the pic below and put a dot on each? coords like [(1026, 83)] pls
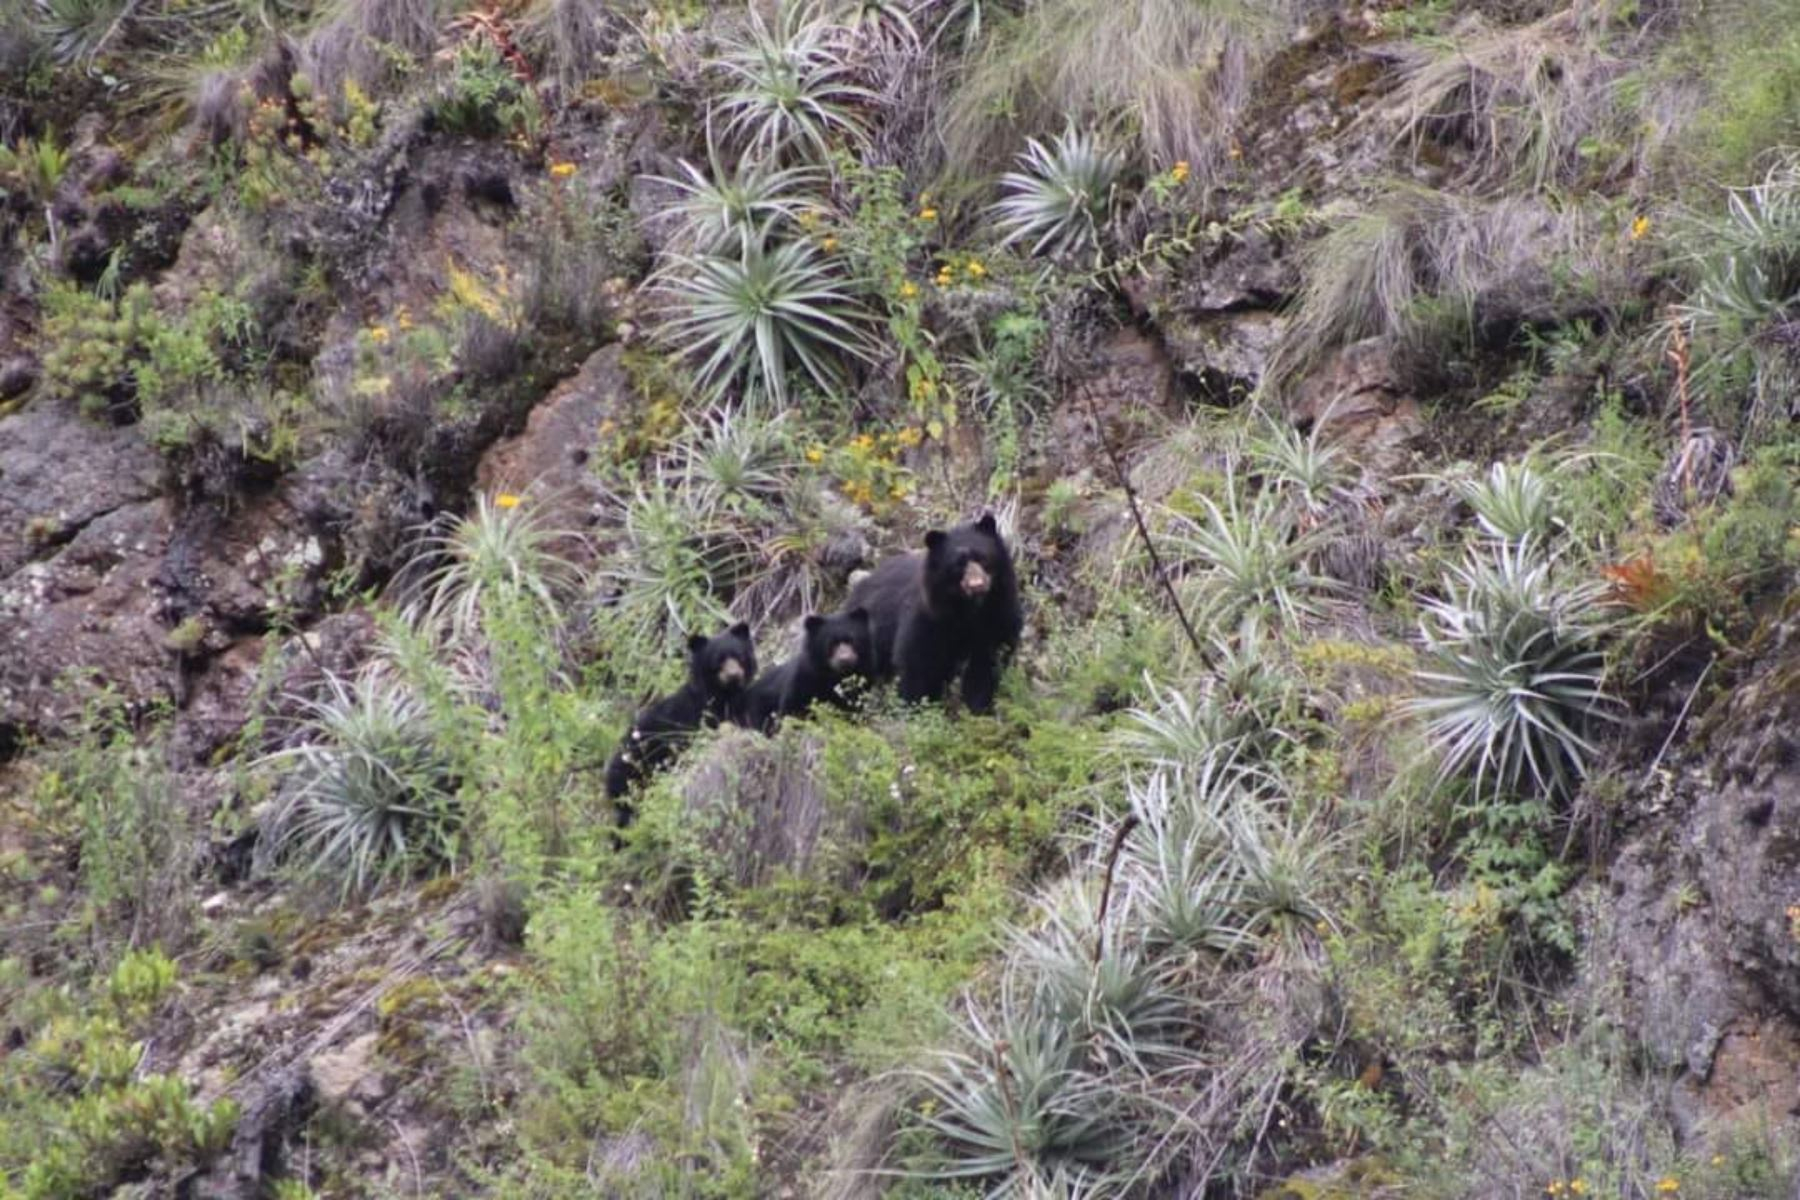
[(841, 643), (966, 565), (725, 664)]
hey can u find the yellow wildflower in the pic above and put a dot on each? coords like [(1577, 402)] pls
[(1718, 1160), (1578, 1187), (815, 454), (807, 218), (1554, 1188), (828, 243), (506, 500), (1639, 228), (975, 269), (1668, 1185), (897, 492), (928, 214), (562, 170), (1180, 172), (378, 333), (908, 289), (403, 319), (864, 442), (910, 436)]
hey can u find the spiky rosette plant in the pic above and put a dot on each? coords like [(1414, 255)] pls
[(791, 91), (725, 207), (747, 318), (1060, 199), (367, 794), (1516, 681)]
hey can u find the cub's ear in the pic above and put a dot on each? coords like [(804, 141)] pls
[(813, 621), (987, 524), (697, 642), (935, 538), (741, 629), (859, 614)]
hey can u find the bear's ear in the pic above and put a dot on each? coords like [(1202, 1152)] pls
[(813, 621), (741, 629), (935, 538), (859, 614), (697, 642), (987, 524)]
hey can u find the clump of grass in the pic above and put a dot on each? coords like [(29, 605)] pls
[(1176, 72), (367, 795), (1530, 103), (1516, 681), (1422, 264), (1060, 199)]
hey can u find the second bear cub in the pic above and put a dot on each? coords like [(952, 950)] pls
[(720, 672), (836, 649)]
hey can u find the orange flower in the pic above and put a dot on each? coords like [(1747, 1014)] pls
[(506, 500), (1639, 228), (562, 170)]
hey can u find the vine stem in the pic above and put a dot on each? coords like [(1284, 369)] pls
[(1137, 516), (1112, 862)]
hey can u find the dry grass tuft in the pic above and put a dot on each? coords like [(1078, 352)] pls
[(1536, 105), (1171, 73)]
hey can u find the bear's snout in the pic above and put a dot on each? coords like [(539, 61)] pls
[(975, 580), (843, 657), (731, 673)]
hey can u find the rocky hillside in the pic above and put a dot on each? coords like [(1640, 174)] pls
[(1390, 411)]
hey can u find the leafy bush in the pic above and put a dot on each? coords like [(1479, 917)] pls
[(1062, 197), (1516, 680)]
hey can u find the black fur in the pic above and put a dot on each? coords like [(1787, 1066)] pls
[(709, 696), (836, 648), (927, 627)]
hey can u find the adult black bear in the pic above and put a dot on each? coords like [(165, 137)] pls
[(720, 672), (953, 607), (836, 649)]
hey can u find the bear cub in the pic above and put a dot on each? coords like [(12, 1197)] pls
[(835, 649), (954, 607), (720, 672)]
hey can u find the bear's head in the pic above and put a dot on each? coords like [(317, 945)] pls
[(841, 644), (722, 665), (966, 565)]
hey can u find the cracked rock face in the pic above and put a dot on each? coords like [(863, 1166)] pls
[(60, 472)]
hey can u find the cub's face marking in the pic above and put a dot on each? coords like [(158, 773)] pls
[(731, 673), (843, 658), (975, 580)]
